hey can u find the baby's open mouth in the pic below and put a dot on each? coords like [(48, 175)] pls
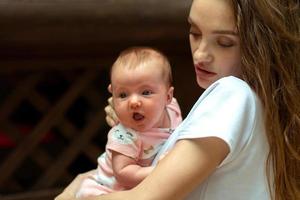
[(137, 116)]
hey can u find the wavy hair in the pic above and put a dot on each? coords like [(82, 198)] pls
[(269, 31)]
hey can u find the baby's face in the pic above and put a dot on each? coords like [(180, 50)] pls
[(140, 95)]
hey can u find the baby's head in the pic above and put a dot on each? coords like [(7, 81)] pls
[(139, 57), (141, 85)]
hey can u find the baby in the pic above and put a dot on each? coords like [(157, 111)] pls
[(141, 87)]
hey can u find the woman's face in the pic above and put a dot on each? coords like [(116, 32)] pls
[(214, 41)]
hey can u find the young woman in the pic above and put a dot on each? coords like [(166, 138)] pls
[(241, 138)]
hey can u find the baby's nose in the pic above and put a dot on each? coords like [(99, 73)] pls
[(135, 102)]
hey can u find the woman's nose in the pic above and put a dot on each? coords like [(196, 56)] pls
[(202, 54), (135, 102)]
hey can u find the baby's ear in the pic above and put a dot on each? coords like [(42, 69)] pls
[(170, 95), (109, 88)]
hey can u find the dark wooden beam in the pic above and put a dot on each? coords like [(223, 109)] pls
[(36, 28)]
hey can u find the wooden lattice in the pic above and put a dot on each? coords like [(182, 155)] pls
[(49, 121)]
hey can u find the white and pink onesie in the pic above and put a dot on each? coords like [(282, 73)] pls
[(141, 146)]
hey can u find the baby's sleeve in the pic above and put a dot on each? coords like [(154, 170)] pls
[(123, 141)]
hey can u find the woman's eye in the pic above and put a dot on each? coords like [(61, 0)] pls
[(195, 33), (225, 43), (122, 95), (146, 92)]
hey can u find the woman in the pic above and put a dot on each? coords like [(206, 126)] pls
[(240, 139)]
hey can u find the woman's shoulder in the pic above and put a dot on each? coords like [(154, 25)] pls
[(227, 88), (228, 109), (231, 83), (227, 94), (232, 80)]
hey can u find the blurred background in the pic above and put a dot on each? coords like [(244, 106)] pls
[(55, 57)]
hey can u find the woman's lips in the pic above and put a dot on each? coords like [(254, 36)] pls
[(202, 72)]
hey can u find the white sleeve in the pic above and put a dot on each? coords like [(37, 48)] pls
[(225, 110)]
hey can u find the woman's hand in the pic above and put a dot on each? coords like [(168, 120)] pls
[(111, 117), (70, 191)]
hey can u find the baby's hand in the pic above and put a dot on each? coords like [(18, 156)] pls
[(111, 117)]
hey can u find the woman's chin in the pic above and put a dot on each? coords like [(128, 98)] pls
[(203, 83)]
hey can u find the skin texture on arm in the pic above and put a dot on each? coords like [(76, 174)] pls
[(186, 166), (127, 172)]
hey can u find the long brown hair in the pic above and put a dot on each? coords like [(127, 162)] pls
[(269, 31)]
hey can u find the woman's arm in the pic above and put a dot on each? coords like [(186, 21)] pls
[(186, 166), (127, 172)]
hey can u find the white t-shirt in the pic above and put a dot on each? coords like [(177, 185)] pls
[(231, 111)]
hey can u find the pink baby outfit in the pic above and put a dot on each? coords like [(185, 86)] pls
[(141, 146)]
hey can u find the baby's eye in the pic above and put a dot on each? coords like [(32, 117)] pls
[(123, 95), (147, 92)]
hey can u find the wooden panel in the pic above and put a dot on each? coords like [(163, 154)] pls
[(53, 115)]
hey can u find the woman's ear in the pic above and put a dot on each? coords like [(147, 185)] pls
[(109, 88), (170, 95)]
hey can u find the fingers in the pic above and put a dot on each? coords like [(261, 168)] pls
[(110, 113), (110, 122), (110, 101), (111, 117)]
